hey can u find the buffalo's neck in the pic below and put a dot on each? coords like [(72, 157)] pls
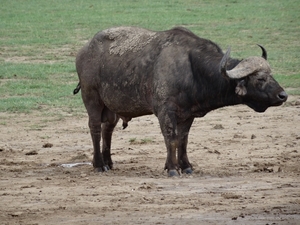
[(213, 90), (213, 93)]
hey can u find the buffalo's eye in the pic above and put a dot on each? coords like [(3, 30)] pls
[(261, 79)]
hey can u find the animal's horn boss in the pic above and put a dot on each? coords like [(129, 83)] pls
[(223, 63), (264, 52)]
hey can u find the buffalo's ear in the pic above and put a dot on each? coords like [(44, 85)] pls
[(240, 88)]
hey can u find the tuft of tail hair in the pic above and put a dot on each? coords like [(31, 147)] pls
[(77, 89)]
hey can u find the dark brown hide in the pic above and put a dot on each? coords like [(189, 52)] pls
[(129, 72)]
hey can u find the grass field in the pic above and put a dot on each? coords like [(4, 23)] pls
[(39, 40)]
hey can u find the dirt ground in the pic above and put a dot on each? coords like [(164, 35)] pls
[(247, 171)]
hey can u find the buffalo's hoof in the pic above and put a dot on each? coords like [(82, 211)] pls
[(102, 169), (187, 170), (110, 166), (106, 168), (173, 173)]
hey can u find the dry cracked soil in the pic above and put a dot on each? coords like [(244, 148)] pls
[(246, 171)]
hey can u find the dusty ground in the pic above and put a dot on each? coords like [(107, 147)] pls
[(247, 171)]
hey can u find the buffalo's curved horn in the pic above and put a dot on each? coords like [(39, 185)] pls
[(245, 67), (248, 66), (264, 52), (223, 63)]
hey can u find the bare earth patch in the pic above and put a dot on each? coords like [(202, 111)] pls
[(38, 55), (247, 171)]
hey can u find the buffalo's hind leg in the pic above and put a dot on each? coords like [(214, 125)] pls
[(111, 120), (94, 107), (98, 160)]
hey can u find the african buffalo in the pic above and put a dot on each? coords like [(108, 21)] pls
[(126, 72)]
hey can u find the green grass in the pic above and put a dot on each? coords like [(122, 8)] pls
[(39, 40)]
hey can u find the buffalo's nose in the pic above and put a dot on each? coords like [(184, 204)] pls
[(283, 96)]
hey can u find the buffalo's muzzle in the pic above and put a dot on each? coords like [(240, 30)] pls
[(282, 96)]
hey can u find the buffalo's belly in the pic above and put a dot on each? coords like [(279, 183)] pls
[(126, 101)]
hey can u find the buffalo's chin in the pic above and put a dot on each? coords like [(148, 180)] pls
[(258, 108)]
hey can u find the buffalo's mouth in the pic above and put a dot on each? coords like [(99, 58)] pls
[(262, 106), (277, 103)]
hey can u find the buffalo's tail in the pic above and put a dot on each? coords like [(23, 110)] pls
[(77, 89), (125, 124)]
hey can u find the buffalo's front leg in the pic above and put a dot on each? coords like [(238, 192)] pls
[(183, 132), (171, 163), (168, 127)]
